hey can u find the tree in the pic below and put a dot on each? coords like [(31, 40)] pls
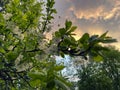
[(103, 75), (27, 59), (111, 66)]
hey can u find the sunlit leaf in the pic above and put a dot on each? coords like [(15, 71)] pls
[(2, 50), (37, 76), (98, 58), (59, 68)]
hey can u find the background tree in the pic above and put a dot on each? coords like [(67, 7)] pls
[(103, 75)]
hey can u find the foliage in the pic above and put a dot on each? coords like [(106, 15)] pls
[(23, 63), (27, 59), (86, 45), (103, 75)]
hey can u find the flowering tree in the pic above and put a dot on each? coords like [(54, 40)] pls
[(26, 58)]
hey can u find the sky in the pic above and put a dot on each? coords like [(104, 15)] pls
[(91, 16)]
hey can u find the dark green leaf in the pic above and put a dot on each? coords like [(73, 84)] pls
[(84, 38), (11, 56), (62, 31), (109, 40), (68, 24), (57, 34), (67, 41), (54, 10), (62, 54), (104, 34), (71, 30), (50, 85), (93, 38)]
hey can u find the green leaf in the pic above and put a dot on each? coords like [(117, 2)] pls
[(59, 68), (57, 34), (72, 30), (98, 58), (50, 17), (104, 34), (99, 47), (67, 41), (62, 54), (68, 24), (2, 50), (54, 11), (84, 38), (11, 55), (93, 38), (109, 40), (62, 85), (37, 76), (2, 21), (35, 83), (50, 85), (60, 81), (62, 31), (51, 3), (16, 2)]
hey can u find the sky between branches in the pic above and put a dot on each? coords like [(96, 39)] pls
[(92, 16)]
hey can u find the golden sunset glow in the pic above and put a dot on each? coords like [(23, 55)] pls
[(91, 16), (78, 34)]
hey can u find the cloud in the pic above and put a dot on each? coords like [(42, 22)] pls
[(91, 16), (87, 9)]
